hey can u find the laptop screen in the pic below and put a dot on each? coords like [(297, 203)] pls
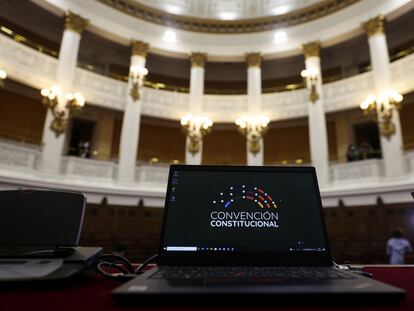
[(228, 212)]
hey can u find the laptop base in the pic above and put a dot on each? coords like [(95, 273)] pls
[(358, 290), (67, 266)]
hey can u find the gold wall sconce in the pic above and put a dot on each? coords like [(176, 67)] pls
[(311, 75), (253, 128), (195, 128), (3, 76), (381, 107), (137, 74), (61, 106)]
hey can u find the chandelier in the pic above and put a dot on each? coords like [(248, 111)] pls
[(253, 128), (61, 106), (311, 75), (381, 107), (3, 76), (137, 74), (195, 128)]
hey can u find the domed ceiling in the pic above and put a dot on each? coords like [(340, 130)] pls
[(228, 16), (228, 9)]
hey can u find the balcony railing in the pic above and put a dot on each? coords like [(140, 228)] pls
[(163, 86), (351, 172)]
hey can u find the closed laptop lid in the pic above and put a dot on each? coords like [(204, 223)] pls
[(40, 218), (238, 215)]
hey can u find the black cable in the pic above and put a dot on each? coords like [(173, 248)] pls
[(125, 269), (145, 263)]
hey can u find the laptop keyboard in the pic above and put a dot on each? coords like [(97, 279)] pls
[(280, 273)]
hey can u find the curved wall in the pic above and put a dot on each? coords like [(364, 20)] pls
[(123, 28), (38, 70)]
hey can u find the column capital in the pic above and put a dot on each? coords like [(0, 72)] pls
[(198, 59), (139, 48), (311, 49), (74, 22), (253, 59), (375, 25)]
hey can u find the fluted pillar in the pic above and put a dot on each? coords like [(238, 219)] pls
[(392, 146), (128, 148), (53, 145), (254, 101), (318, 138), (198, 61)]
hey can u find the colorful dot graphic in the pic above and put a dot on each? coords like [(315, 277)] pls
[(254, 194)]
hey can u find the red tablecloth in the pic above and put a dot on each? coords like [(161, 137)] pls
[(95, 294)]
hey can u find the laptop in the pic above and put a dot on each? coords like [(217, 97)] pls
[(247, 231), (39, 236)]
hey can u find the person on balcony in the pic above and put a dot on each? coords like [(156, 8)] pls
[(397, 246), (352, 153)]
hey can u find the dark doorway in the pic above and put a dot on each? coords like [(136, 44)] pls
[(367, 140), (81, 138)]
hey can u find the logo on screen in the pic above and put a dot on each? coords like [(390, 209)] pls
[(244, 206)]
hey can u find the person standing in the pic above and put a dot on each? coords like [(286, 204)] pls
[(397, 246)]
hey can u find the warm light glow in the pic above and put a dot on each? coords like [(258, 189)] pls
[(311, 72), (387, 99), (280, 37), (69, 96), (367, 102), (279, 10), (253, 127), (170, 8), (246, 121), (195, 127), (56, 89), (227, 15), (3, 74), (196, 121), (138, 70), (44, 92), (170, 36), (6, 30), (80, 100)]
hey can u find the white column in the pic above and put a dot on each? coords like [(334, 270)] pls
[(128, 148), (318, 138), (254, 101), (198, 61), (53, 144), (392, 147)]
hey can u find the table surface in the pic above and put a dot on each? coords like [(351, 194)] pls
[(94, 293)]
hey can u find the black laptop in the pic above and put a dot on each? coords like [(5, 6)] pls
[(39, 236), (247, 231)]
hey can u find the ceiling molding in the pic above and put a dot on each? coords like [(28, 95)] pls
[(188, 23)]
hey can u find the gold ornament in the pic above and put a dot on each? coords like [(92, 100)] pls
[(139, 48), (135, 92), (385, 124), (313, 95), (374, 25), (311, 49), (198, 59), (75, 22), (253, 59)]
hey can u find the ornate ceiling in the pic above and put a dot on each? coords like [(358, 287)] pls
[(228, 16), (228, 9)]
